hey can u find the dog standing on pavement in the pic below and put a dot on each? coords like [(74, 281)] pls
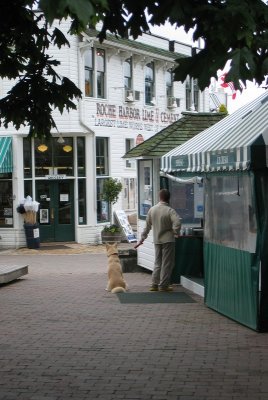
[(116, 282)]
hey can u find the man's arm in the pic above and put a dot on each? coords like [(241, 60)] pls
[(146, 230), (176, 222)]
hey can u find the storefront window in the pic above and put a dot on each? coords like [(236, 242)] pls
[(230, 215), (27, 157), (103, 212), (102, 156), (6, 201), (81, 159), (28, 188), (102, 173), (145, 175), (63, 157), (82, 217), (53, 157)]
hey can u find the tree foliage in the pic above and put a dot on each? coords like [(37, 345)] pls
[(235, 30)]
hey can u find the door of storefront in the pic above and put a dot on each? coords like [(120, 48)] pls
[(56, 213)]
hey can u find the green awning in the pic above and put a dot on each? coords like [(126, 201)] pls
[(6, 160)]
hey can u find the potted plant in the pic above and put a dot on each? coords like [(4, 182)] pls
[(29, 208), (111, 233), (111, 190)]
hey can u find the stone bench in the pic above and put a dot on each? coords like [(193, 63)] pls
[(10, 273)]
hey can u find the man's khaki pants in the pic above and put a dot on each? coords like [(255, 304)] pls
[(164, 264)]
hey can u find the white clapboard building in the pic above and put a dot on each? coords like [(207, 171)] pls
[(128, 96)]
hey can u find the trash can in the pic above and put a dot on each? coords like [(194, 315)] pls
[(32, 236)]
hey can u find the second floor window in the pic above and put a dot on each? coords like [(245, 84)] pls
[(100, 61), (94, 60), (149, 83), (128, 73), (169, 83), (89, 73), (192, 94)]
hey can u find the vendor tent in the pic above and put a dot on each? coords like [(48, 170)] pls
[(232, 157), (226, 145)]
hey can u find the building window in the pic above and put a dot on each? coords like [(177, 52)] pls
[(192, 94), (169, 83), (27, 157), (94, 60), (128, 73), (81, 158), (53, 157), (89, 62), (102, 156), (188, 98), (82, 216), (196, 95), (149, 83), (145, 186), (129, 193), (129, 146), (102, 173), (100, 66), (81, 173), (6, 201)]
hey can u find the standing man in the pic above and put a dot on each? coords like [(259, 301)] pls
[(166, 226)]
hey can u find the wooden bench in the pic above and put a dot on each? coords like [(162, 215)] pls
[(12, 272)]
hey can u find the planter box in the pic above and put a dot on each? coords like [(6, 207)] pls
[(108, 237)]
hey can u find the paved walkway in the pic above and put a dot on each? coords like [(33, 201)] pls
[(62, 337)]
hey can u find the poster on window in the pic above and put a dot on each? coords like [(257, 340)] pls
[(44, 216), (122, 220)]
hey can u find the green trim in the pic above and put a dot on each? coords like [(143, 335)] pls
[(231, 283), (6, 158)]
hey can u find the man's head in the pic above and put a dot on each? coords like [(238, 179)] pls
[(164, 195)]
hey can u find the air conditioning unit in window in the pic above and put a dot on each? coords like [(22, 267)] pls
[(173, 102), (129, 96), (132, 95)]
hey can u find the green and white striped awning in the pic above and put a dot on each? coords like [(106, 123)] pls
[(237, 142), (6, 160)]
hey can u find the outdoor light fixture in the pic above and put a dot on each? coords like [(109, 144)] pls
[(60, 139), (67, 148), (42, 148)]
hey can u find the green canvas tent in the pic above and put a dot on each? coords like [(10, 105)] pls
[(232, 157)]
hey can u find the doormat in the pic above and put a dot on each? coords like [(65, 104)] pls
[(155, 297), (54, 247)]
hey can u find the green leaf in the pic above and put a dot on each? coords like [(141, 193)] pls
[(59, 39)]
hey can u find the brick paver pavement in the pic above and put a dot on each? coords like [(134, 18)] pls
[(63, 337)]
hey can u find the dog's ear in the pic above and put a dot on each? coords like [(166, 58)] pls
[(107, 246)]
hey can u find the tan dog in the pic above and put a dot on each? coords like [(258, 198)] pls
[(116, 282)]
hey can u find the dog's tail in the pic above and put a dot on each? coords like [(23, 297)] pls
[(118, 289)]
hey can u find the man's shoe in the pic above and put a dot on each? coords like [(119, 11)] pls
[(166, 289), (153, 289)]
